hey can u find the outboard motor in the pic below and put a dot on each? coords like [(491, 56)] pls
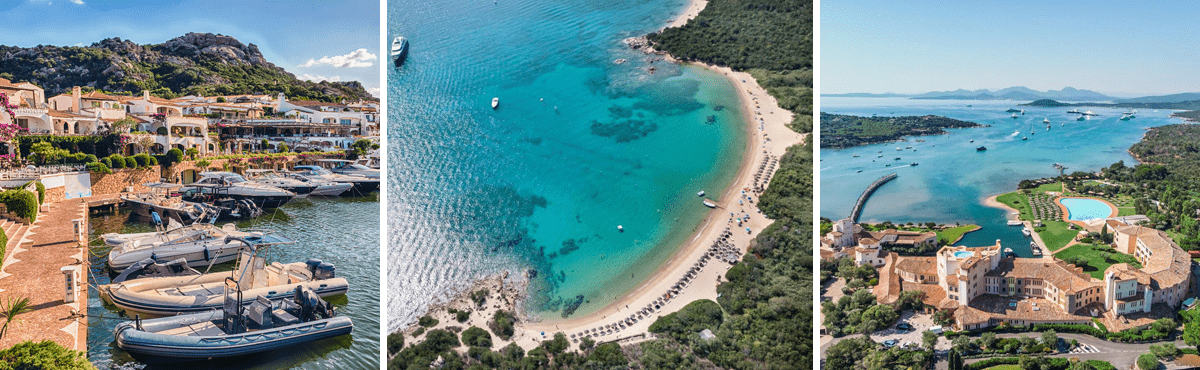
[(320, 270), (311, 304)]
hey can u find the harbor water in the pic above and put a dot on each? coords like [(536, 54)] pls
[(952, 179), (341, 231), (579, 145)]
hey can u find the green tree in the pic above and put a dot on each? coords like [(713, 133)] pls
[(1147, 362)]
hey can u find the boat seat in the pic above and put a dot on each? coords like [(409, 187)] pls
[(283, 318), (275, 274), (206, 329), (259, 311)]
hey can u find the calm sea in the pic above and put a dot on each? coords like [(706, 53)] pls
[(579, 145), (951, 179)]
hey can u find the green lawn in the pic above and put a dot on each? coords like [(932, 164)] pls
[(1019, 201), (1004, 367), (1095, 256), (1055, 187), (1126, 211), (1056, 234), (953, 234)]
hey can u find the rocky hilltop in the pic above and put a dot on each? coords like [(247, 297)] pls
[(195, 63)]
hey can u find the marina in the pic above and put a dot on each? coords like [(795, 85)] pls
[(950, 186)]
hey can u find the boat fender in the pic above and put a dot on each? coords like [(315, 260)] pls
[(154, 256), (154, 216), (206, 257)]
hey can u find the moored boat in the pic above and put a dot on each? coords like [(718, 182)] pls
[(167, 296), (213, 186), (199, 244), (239, 328)]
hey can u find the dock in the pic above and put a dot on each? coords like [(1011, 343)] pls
[(866, 194), (33, 259)]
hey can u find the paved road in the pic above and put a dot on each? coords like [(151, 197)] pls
[(1121, 355)]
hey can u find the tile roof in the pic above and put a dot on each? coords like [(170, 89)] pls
[(1063, 276)]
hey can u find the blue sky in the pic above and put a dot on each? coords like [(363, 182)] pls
[(1121, 48), (289, 33)]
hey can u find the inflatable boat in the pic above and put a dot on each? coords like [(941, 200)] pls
[(166, 296), (200, 244), (237, 329)]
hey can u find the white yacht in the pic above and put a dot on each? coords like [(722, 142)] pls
[(220, 185), (273, 178), (399, 50), (1045, 120), (495, 103), (344, 167), (359, 185)]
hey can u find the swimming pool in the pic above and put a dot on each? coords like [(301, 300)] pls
[(1083, 209), (963, 254)]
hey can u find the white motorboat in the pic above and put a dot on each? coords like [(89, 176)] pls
[(344, 167), (168, 296), (709, 204), (359, 185), (161, 200), (200, 244), (495, 103), (700, 194), (217, 185), (282, 181), (1045, 120), (399, 50)]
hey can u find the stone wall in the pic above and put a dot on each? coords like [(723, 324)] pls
[(116, 182), (239, 165), (57, 194)]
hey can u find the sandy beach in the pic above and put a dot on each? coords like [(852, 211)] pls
[(768, 137), (693, 9)]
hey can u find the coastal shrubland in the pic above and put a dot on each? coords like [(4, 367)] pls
[(857, 313), (843, 131)]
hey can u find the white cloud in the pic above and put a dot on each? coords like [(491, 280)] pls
[(80, 2), (374, 91), (318, 78), (356, 59)]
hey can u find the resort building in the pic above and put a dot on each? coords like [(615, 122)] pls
[(846, 237), (987, 286), (361, 117)]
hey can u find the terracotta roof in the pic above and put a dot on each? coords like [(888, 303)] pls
[(1167, 265), (63, 114), (1063, 276), (918, 265)]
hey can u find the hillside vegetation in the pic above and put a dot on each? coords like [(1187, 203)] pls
[(770, 39), (843, 131), (193, 64)]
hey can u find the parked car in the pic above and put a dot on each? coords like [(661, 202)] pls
[(890, 343), (904, 326)]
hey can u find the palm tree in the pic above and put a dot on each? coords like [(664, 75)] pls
[(10, 308)]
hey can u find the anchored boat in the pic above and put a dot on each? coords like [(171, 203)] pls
[(276, 179), (358, 185), (240, 327), (399, 50)]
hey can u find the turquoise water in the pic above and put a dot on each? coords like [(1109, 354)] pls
[(964, 254), (1082, 209), (341, 231), (952, 179), (476, 191)]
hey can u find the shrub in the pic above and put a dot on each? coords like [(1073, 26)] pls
[(41, 190), (557, 345), (20, 202), (693, 318), (477, 337), (192, 153), (173, 156), (161, 131), (89, 158), (143, 160), (130, 162), (42, 355), (1147, 362), (115, 161), (586, 343), (395, 342), (502, 324), (98, 167), (427, 321), (283, 148)]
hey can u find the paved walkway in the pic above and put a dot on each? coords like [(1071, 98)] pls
[(30, 269)]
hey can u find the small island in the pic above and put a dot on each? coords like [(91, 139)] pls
[(844, 131)]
